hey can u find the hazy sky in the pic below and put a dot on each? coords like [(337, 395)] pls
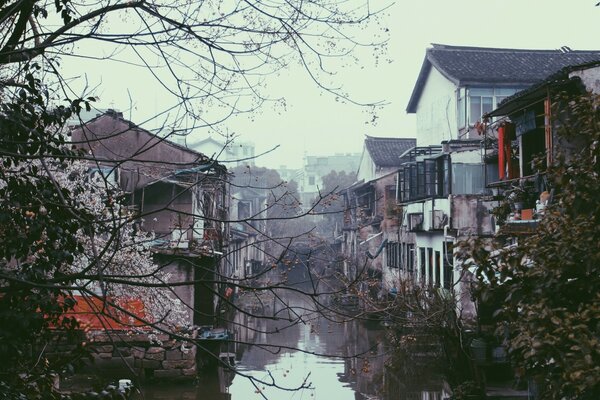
[(315, 123)]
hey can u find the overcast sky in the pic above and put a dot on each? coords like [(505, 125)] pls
[(315, 123)]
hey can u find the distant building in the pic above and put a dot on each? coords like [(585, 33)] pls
[(370, 217), (290, 174), (316, 167), (231, 153)]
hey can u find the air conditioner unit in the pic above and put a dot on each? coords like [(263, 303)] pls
[(415, 222), (438, 219)]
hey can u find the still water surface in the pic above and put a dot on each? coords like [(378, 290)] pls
[(315, 358)]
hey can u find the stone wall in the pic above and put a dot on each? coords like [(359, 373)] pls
[(137, 356)]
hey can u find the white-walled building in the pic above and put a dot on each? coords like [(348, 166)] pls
[(310, 178), (232, 153), (443, 188)]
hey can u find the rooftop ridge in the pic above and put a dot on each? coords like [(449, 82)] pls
[(560, 50), (387, 138)]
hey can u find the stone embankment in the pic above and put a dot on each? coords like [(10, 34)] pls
[(142, 356)]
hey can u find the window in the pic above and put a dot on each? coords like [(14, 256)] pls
[(243, 210), (413, 182), (448, 265), (430, 178), (423, 179), (311, 180), (443, 176), (481, 101), (391, 249), (410, 257), (430, 265), (400, 186), (403, 256), (461, 107), (472, 103), (438, 269), (468, 178), (423, 261), (406, 184)]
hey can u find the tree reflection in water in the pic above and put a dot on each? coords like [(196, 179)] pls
[(340, 360)]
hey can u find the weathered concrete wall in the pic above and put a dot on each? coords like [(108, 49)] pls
[(590, 78), (470, 215)]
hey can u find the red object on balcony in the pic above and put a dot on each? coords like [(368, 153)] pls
[(501, 160), (506, 133)]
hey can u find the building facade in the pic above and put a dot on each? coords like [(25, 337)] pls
[(443, 190)]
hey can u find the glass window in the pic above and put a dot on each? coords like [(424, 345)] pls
[(484, 100), (420, 179), (448, 265), (479, 105), (468, 178), (430, 177), (410, 257), (475, 109), (487, 105), (403, 256), (400, 187), (423, 263), (438, 269), (413, 181), (430, 265), (443, 176), (461, 108)]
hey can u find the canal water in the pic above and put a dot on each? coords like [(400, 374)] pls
[(285, 349)]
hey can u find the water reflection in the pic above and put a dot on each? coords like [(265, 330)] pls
[(312, 357)]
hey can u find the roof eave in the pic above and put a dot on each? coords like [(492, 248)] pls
[(428, 62), (411, 108), (532, 95)]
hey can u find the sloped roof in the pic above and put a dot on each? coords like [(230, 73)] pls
[(386, 152), (560, 80), (110, 113), (494, 66)]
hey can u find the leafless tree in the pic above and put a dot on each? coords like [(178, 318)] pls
[(212, 59)]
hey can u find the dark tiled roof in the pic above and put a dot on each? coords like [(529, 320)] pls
[(493, 66), (386, 152), (556, 82)]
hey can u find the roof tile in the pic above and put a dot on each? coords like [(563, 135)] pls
[(386, 152), (494, 66)]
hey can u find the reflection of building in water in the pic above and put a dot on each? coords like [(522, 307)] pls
[(409, 388), (357, 353), (366, 354), (263, 325)]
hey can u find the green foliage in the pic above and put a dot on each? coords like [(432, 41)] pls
[(331, 205), (38, 227), (551, 278)]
